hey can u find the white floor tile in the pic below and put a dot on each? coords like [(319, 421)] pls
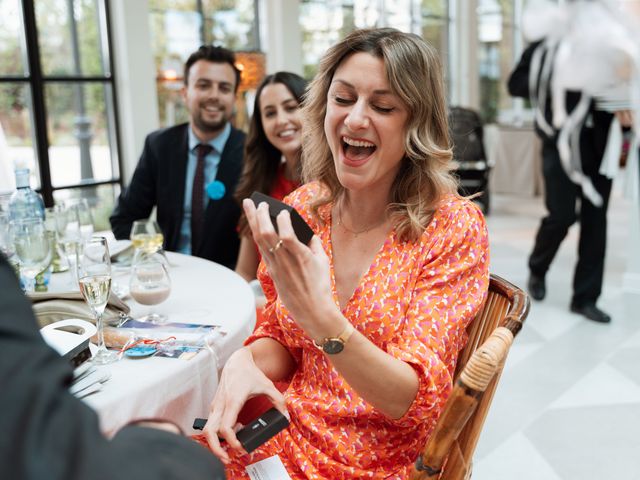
[(517, 353), (604, 385), (633, 341), (516, 459)]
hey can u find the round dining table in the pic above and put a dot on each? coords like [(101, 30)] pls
[(179, 390)]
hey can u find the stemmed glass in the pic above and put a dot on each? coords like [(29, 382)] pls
[(59, 262), (85, 220), (150, 283), (69, 236), (6, 242), (32, 248), (146, 236), (94, 280)]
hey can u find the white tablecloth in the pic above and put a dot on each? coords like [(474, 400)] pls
[(178, 390), (515, 153)]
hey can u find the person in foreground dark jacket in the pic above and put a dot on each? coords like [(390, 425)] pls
[(49, 434)]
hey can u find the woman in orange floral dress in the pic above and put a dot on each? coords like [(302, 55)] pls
[(368, 319)]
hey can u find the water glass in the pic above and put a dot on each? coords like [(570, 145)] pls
[(32, 248), (150, 283)]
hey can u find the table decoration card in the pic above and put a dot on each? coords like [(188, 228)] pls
[(173, 339)]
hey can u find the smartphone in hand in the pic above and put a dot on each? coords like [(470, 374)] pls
[(300, 227)]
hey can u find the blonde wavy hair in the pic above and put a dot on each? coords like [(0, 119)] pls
[(415, 76)]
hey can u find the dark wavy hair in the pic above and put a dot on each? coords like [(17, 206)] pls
[(261, 158), (213, 54)]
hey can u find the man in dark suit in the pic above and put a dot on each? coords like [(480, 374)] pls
[(190, 171), (566, 202), (49, 434)]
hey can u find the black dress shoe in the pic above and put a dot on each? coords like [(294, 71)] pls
[(536, 287), (590, 311)]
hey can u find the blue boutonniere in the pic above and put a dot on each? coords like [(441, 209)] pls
[(216, 190)]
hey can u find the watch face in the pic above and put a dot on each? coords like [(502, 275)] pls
[(333, 346)]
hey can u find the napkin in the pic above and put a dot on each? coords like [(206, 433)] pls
[(51, 307)]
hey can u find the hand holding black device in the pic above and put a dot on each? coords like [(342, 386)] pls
[(260, 430), (300, 227)]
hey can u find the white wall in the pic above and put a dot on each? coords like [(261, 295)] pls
[(465, 86), (135, 78), (281, 35)]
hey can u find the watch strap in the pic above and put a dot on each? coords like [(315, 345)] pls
[(343, 338)]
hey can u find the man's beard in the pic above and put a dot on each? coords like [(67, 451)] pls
[(209, 127)]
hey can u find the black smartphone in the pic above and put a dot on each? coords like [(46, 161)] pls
[(257, 432), (300, 227)]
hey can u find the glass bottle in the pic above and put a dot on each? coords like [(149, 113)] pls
[(25, 203)]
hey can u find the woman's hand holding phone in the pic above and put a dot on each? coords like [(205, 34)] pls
[(300, 273)]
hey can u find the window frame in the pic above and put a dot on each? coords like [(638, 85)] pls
[(36, 81)]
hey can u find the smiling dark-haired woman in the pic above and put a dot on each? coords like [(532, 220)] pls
[(272, 153)]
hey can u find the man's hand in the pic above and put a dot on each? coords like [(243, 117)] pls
[(625, 117)]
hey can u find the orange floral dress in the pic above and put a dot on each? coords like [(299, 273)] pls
[(414, 303)]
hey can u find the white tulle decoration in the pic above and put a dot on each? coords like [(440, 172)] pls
[(587, 46)]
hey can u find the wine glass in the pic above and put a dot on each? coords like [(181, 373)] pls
[(32, 248), (85, 220), (59, 262), (150, 283), (69, 237), (6, 242), (146, 236), (94, 280)]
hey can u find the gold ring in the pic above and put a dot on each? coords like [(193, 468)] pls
[(276, 247)]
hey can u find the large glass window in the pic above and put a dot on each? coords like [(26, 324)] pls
[(498, 34), (57, 108), (180, 27), (324, 22)]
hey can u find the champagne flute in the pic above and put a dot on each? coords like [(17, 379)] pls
[(94, 280), (32, 248), (85, 220), (150, 283), (146, 236), (59, 262), (69, 237)]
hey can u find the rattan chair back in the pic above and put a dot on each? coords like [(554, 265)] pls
[(449, 451)]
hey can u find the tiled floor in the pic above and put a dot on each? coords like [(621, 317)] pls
[(568, 403)]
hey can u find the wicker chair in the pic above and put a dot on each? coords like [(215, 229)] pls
[(449, 451)]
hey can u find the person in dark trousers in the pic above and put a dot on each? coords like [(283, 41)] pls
[(566, 202), (48, 434), (190, 171)]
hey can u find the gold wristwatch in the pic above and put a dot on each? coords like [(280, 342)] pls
[(334, 345)]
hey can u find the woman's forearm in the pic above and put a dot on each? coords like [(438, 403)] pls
[(389, 384), (248, 260), (272, 358)]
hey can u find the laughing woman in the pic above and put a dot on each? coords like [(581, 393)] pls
[(272, 153), (367, 321)]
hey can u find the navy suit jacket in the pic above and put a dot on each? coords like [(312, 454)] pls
[(159, 180)]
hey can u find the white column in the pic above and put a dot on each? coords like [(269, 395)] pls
[(464, 57), (135, 78), (282, 37)]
